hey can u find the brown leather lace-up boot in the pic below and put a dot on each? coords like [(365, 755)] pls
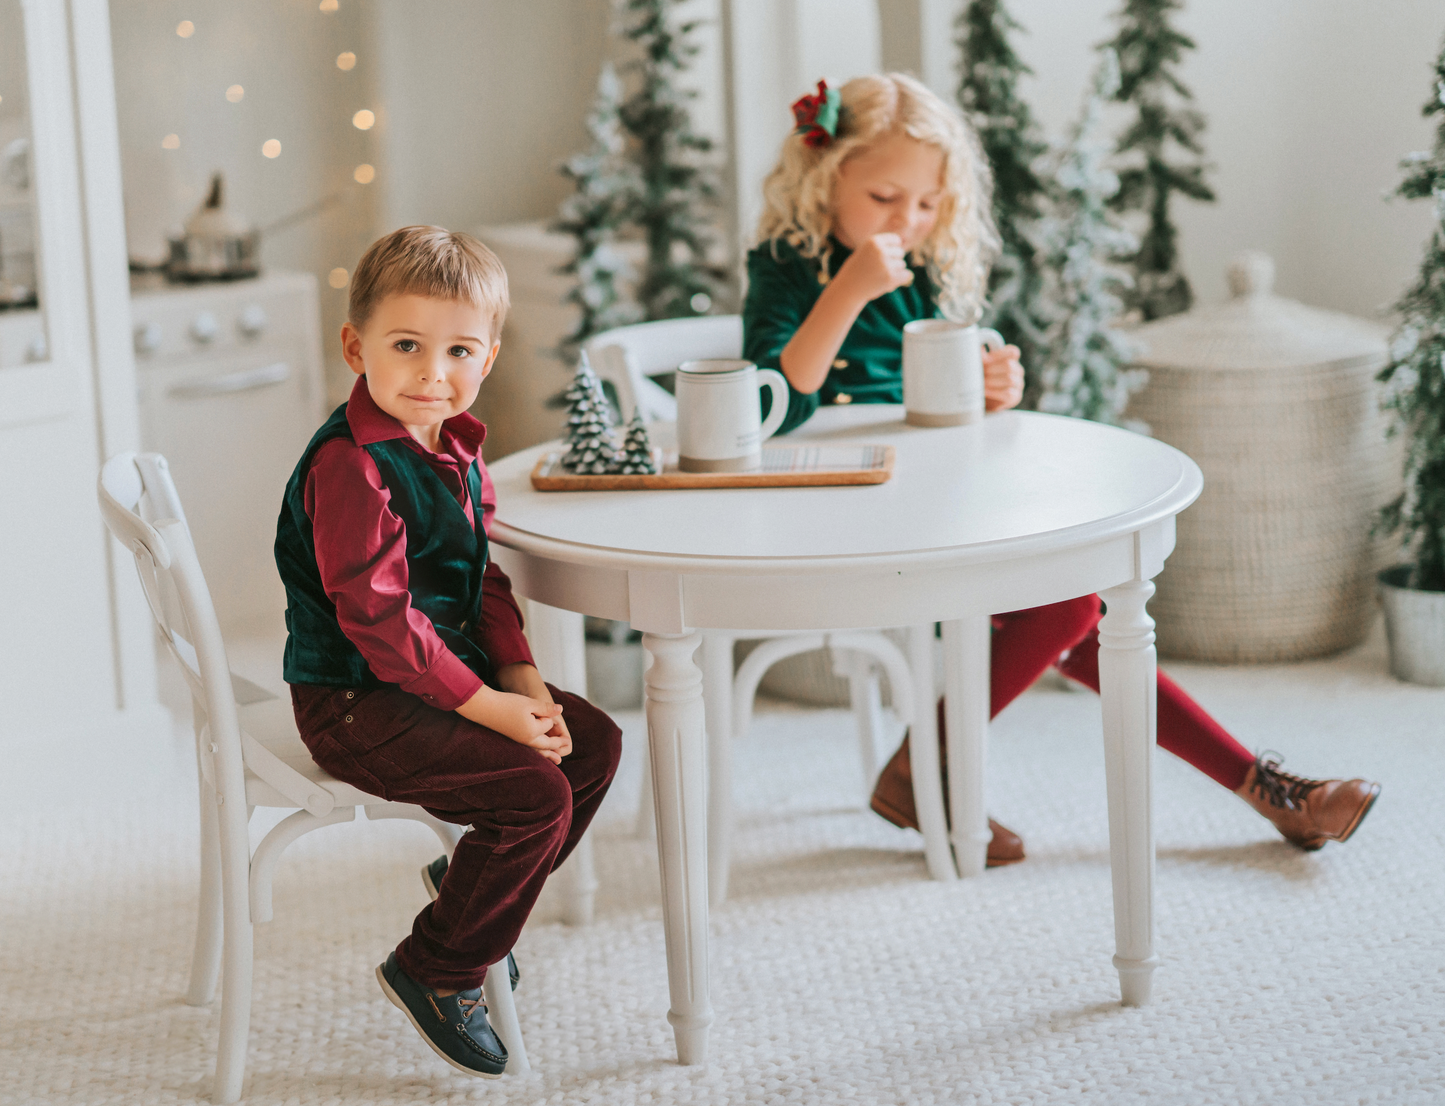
[(1307, 812), (893, 801)]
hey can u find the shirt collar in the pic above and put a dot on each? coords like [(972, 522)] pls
[(462, 435)]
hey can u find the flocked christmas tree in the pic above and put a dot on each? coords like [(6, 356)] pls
[(590, 450), (1415, 376), (1084, 371), (606, 189), (637, 459), (676, 203), (1160, 154), (1013, 144)]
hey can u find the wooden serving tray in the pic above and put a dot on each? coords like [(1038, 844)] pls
[(783, 466)]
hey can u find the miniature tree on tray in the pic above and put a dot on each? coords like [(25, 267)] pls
[(637, 459), (590, 450)]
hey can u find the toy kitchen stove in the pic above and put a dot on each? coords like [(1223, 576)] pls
[(231, 390)]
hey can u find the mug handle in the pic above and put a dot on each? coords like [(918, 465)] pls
[(990, 339), (776, 383)]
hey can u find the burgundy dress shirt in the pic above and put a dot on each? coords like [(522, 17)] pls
[(361, 554)]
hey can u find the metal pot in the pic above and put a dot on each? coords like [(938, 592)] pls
[(1415, 625), (217, 244)]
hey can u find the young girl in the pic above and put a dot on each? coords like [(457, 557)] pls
[(878, 214)]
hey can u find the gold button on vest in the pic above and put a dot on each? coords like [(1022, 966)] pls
[(842, 397), (840, 363)]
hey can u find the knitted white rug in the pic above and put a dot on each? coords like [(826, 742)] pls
[(841, 974)]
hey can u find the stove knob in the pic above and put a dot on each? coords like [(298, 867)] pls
[(204, 327), (147, 337), (252, 321)]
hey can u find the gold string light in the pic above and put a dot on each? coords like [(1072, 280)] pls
[(363, 120), (235, 93), (364, 174), (337, 278), (345, 61), (185, 28), (271, 147), (329, 5), (171, 142)]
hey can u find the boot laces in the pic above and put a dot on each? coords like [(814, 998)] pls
[(1281, 789)]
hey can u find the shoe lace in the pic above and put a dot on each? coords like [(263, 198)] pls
[(468, 1006), (1281, 789)]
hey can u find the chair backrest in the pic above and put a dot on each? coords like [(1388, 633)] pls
[(139, 504), (627, 356)]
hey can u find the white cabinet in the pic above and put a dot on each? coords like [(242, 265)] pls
[(231, 391)]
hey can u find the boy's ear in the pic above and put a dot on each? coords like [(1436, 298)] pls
[(491, 360), (351, 348)]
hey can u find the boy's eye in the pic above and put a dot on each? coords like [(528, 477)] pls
[(460, 351), (407, 345)]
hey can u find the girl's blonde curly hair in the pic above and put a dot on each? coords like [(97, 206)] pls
[(798, 193)]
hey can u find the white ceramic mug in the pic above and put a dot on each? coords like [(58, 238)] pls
[(943, 371), (720, 426)]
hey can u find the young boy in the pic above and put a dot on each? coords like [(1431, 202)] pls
[(409, 673)]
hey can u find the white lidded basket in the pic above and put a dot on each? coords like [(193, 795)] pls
[(1278, 404)]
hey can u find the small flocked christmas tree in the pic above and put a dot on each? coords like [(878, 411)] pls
[(1084, 372), (606, 186), (1013, 143), (1159, 151), (676, 204), (637, 459), (590, 450), (1415, 375)]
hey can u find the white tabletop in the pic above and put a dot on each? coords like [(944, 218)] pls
[(1016, 481)]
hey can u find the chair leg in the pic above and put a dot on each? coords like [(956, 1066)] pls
[(502, 1013), (237, 956), (579, 874), (865, 696), (717, 691), (206, 958)]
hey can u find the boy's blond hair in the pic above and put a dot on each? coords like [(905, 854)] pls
[(434, 262), (798, 193)]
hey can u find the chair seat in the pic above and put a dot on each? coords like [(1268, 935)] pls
[(272, 723)]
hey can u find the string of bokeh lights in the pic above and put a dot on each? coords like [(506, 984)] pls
[(363, 120)]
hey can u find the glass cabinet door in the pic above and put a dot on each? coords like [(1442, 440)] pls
[(22, 328)]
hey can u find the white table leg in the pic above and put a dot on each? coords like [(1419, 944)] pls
[(717, 687), (1128, 686), (559, 647), (966, 711), (923, 755), (676, 735)]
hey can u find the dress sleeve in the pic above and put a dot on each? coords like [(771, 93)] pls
[(361, 555), (777, 302)]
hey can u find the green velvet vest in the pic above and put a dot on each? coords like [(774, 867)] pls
[(445, 555)]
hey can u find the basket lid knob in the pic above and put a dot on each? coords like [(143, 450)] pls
[(1251, 273)]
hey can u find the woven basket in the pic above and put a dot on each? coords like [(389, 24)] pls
[(1278, 404)]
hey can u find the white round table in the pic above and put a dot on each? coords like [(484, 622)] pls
[(1020, 510)]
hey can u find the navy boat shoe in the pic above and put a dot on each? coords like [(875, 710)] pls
[(455, 1026), (431, 878)]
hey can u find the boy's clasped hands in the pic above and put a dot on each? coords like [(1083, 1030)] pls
[(879, 265), (524, 712)]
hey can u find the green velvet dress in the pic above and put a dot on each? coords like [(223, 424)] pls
[(782, 288)]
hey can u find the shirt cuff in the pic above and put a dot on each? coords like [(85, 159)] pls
[(447, 684)]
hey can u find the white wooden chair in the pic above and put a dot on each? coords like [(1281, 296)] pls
[(628, 357), (248, 755)]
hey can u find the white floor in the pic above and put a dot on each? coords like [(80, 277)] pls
[(840, 973)]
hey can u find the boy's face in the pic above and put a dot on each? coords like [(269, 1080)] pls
[(424, 359), (892, 187)]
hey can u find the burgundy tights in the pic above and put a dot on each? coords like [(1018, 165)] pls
[(1025, 643)]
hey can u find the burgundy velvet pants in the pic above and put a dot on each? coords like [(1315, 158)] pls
[(1027, 642), (525, 813)]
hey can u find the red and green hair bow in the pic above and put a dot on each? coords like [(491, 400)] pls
[(817, 115)]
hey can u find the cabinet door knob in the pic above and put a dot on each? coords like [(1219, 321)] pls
[(147, 337), (204, 327), (252, 320)]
